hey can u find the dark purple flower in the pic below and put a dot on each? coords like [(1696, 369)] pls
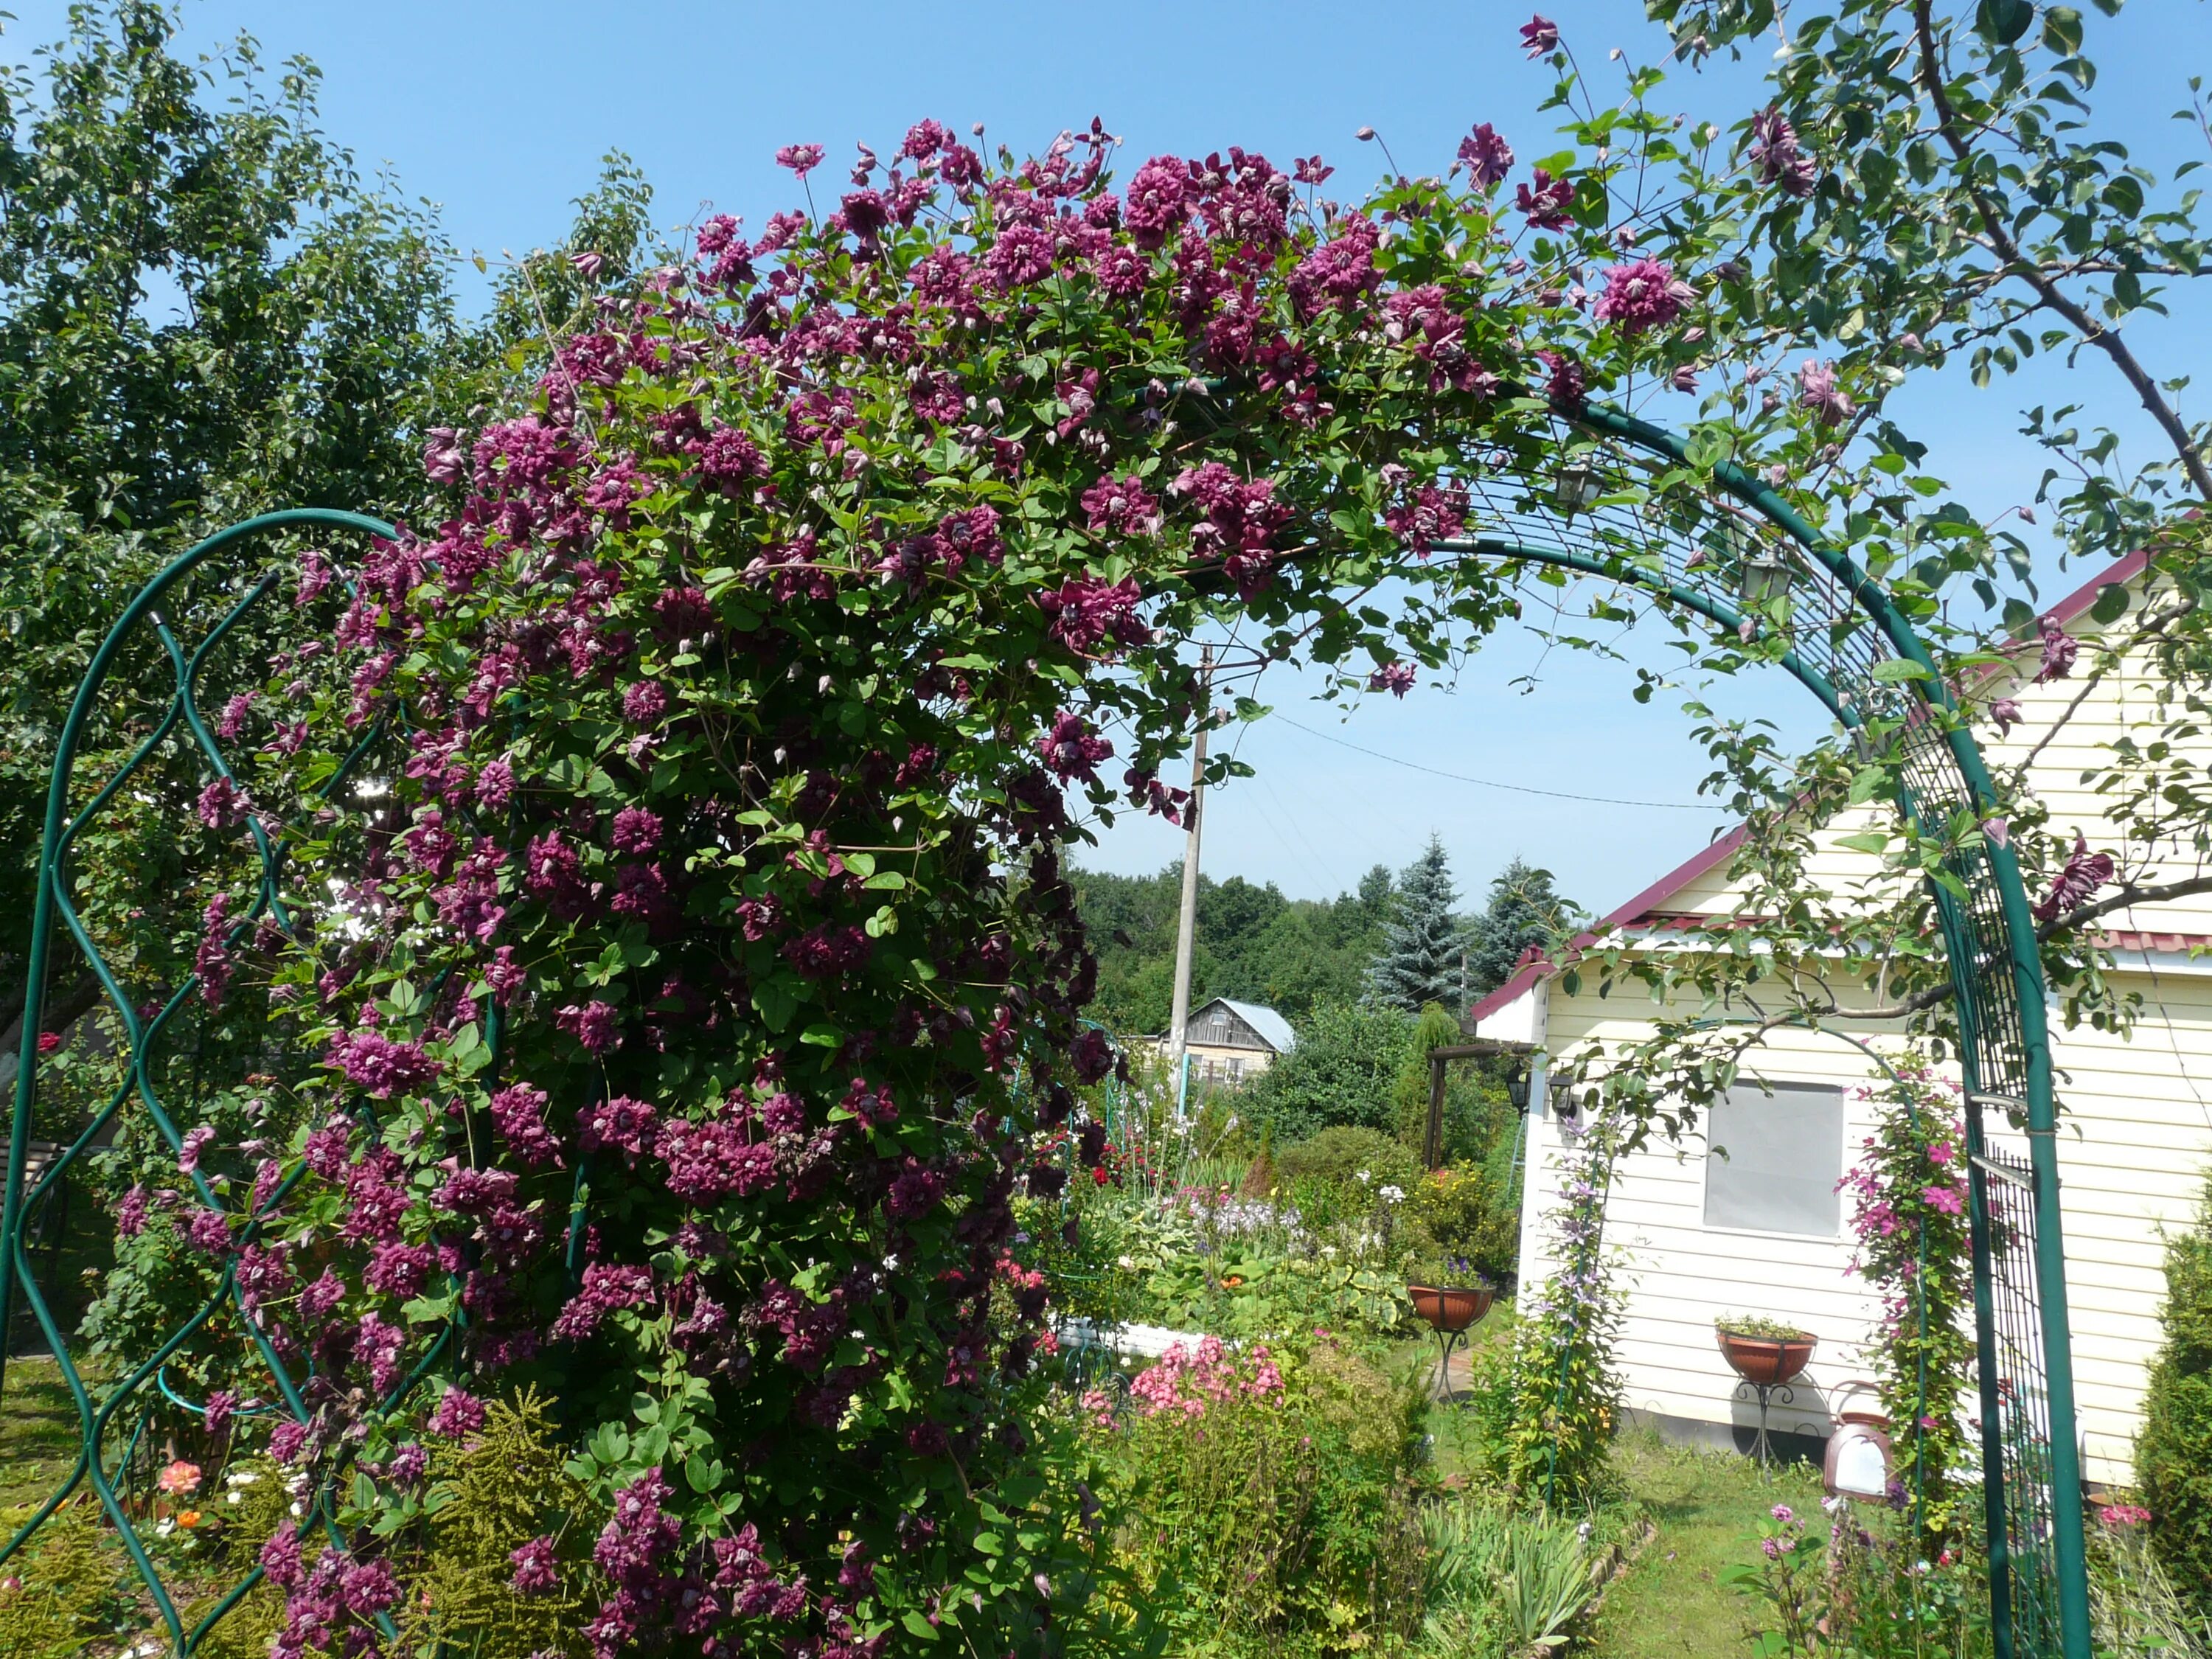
[(801, 159), (1541, 36), (1485, 155), (536, 1571), (458, 1413), (1395, 678), (2085, 871), (1642, 294), (645, 702), (2059, 650), (593, 1025), (1547, 202)]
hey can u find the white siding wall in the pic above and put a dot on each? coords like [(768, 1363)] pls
[(2133, 1152)]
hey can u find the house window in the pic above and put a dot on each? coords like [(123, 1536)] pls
[(1236, 1071), (1774, 1160)]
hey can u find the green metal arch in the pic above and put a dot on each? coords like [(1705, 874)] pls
[(2039, 1589)]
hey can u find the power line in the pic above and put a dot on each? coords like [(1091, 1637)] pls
[(1492, 783)]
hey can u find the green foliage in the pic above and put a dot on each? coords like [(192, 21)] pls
[(2137, 1609), (1522, 910), (1418, 961), (1757, 1325), (65, 1593), (1549, 1405), (1283, 1528), (2173, 1449), (489, 1496), (1498, 1582), (1475, 1109), (1344, 1072), (1857, 1589), (1291, 955)]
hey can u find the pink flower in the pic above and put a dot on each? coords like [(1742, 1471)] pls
[(1395, 678), (2005, 712), (801, 159), (1946, 1199), (1817, 391), (1541, 36), (1641, 294), (179, 1479)]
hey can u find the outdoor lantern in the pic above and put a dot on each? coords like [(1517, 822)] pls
[(1517, 1089), (1575, 488), (1766, 575)]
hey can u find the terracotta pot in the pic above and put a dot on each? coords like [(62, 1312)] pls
[(1769, 1360), (1452, 1307)]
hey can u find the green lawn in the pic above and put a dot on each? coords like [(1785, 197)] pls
[(38, 1431), (1707, 1506)]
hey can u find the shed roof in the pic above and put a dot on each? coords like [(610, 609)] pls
[(1273, 1028)]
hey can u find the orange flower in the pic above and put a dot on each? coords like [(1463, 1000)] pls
[(189, 1518)]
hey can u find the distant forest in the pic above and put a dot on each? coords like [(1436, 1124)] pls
[(1293, 955)]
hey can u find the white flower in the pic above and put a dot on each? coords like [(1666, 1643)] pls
[(1391, 1194), (1366, 1175), (1834, 1505), (1125, 1261)]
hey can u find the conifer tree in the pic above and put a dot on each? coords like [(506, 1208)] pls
[(1524, 910), (1419, 960)]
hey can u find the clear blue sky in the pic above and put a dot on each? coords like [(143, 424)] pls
[(499, 112)]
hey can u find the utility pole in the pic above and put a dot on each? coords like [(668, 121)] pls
[(1186, 928)]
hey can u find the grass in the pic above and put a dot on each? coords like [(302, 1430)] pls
[(38, 1431), (1707, 1506)]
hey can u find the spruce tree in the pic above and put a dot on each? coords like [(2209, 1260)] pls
[(1419, 960), (1524, 910)]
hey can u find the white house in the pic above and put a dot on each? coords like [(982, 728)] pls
[(1763, 1231)]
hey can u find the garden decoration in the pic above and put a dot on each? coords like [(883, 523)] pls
[(621, 954), (1450, 1311), (1769, 1358)]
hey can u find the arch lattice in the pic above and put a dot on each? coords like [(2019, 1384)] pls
[(1612, 506)]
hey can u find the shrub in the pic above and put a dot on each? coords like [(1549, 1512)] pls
[(2173, 1452), (1266, 1519), (1339, 1156), (1344, 1071)]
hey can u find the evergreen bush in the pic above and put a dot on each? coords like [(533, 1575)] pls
[(2173, 1452)]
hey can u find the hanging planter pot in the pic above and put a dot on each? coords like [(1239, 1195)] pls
[(1767, 1361)]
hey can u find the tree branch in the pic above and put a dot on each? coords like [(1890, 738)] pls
[(2027, 270)]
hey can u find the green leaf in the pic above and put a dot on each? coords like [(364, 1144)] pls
[(777, 999), (2112, 603), (1897, 668), (2004, 20), (1871, 841), (918, 1625)]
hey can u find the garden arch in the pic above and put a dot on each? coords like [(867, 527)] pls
[(1752, 566)]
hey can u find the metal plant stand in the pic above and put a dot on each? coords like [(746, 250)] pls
[(1766, 1393)]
